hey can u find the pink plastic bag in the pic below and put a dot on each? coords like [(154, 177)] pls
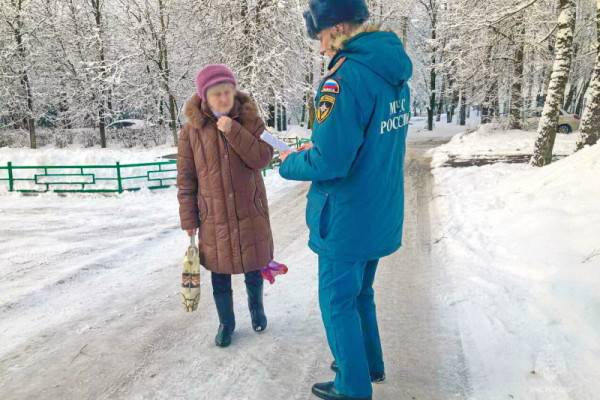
[(272, 270)]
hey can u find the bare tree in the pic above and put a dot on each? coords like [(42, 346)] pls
[(516, 90), (153, 19), (13, 15), (431, 8), (102, 95)]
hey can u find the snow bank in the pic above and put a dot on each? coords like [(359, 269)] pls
[(490, 140), (522, 246), (296, 131), (82, 156), (441, 130)]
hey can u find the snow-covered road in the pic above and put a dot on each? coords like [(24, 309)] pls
[(89, 306)]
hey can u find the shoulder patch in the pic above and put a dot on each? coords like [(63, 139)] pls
[(331, 86), (325, 106)]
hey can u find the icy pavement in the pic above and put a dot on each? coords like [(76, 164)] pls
[(474, 306), (89, 306)]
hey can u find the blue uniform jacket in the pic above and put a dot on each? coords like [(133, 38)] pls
[(355, 207)]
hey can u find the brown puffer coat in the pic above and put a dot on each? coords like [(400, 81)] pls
[(220, 187)]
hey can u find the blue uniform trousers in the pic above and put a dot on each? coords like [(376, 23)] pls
[(347, 302)]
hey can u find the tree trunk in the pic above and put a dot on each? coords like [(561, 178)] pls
[(463, 109), (581, 98), (546, 134), (432, 74), (404, 21), (30, 118), (311, 114), (453, 105), (308, 96), (430, 109), (97, 9), (488, 106), (570, 96), (516, 90), (166, 73), (590, 120), (18, 32), (440, 105)]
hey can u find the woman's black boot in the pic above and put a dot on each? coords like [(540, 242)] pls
[(254, 288)]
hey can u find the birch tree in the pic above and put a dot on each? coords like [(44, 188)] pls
[(590, 120), (546, 133)]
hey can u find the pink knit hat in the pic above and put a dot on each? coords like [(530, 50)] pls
[(212, 75)]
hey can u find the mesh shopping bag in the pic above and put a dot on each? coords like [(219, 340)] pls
[(190, 278)]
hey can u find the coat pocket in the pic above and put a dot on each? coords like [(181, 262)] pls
[(318, 213), (259, 204), (202, 207)]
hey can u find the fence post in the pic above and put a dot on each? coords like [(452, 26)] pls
[(119, 177), (11, 187)]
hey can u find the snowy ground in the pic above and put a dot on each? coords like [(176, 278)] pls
[(441, 129), (89, 306), (493, 296), (82, 156), (522, 248), (491, 142), (46, 238)]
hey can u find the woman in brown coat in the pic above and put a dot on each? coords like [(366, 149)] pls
[(221, 191)]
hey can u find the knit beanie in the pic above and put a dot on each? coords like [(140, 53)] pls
[(212, 75)]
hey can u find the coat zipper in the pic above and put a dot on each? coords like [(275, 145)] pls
[(234, 207)]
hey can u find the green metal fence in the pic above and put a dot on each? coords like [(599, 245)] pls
[(111, 178)]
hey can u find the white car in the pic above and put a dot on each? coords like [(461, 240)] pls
[(567, 123), (134, 124)]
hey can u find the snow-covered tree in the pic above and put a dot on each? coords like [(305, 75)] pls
[(590, 120), (85, 63), (430, 14), (19, 25), (546, 134), (166, 46)]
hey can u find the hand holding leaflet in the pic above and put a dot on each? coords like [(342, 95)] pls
[(275, 142)]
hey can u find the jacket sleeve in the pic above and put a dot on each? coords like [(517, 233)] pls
[(336, 141), (187, 183), (255, 152)]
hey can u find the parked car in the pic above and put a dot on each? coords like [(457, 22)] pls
[(134, 124), (567, 123)]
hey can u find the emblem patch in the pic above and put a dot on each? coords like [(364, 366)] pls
[(331, 86), (325, 106)]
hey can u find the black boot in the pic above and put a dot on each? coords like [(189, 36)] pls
[(326, 391), (224, 302), (376, 377), (254, 288)]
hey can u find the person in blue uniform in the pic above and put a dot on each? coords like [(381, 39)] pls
[(355, 206)]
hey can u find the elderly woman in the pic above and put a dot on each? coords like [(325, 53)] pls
[(221, 191)]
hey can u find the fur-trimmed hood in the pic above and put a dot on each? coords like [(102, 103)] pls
[(340, 41), (197, 113)]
